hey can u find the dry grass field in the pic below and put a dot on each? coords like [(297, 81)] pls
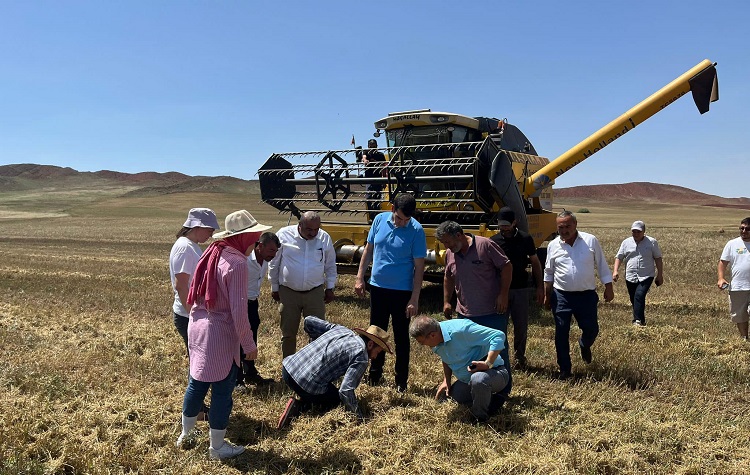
[(92, 372)]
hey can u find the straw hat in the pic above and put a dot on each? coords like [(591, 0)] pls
[(201, 218), (377, 335), (240, 222)]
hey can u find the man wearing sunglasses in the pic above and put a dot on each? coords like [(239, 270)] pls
[(736, 254)]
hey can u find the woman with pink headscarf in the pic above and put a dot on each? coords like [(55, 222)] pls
[(218, 326)]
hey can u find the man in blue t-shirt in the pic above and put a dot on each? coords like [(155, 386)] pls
[(397, 246)]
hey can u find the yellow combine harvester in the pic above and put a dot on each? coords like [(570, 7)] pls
[(458, 168)]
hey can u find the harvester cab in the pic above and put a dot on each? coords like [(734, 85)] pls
[(458, 168)]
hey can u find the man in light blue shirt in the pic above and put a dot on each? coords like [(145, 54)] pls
[(471, 352)]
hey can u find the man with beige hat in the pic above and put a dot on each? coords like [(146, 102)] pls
[(334, 351)]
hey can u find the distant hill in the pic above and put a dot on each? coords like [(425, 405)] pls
[(28, 176), (648, 192)]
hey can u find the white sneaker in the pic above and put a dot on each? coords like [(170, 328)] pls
[(180, 440), (226, 451)]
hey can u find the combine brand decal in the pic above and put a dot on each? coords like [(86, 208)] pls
[(406, 117), (606, 142)]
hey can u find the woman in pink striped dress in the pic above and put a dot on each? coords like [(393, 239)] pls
[(218, 326)]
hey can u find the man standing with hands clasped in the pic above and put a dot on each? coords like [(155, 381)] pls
[(303, 276), (643, 266), (573, 260), (737, 255)]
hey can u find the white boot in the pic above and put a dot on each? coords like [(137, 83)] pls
[(221, 448), (188, 424)]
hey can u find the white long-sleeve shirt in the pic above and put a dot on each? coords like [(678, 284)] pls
[(302, 265), (255, 273), (572, 268)]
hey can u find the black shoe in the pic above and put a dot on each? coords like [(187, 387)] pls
[(258, 380), (563, 375), (401, 388), (496, 403), (521, 363), (586, 354), (373, 379)]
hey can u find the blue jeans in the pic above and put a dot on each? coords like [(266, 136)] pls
[(582, 306), (478, 394), (221, 399), (638, 291), (497, 321)]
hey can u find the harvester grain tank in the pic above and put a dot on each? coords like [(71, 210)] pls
[(459, 168)]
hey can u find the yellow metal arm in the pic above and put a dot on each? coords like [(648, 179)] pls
[(695, 79)]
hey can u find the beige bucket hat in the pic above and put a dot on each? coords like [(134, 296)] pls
[(240, 222)]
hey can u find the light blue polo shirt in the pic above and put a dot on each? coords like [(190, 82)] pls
[(394, 252), (463, 342)]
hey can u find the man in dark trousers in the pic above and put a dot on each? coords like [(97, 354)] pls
[(519, 247), (374, 160)]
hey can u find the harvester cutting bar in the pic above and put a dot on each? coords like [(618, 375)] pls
[(441, 176), (407, 179)]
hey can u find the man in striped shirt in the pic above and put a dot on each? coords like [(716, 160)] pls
[(334, 351)]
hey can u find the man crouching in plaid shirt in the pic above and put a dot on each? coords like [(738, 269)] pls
[(334, 351)]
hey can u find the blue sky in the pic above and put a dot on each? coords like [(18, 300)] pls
[(213, 88)]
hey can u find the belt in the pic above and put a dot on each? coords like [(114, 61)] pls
[(303, 291)]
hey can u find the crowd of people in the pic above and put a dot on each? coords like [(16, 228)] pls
[(216, 292)]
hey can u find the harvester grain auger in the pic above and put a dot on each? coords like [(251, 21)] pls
[(459, 168)]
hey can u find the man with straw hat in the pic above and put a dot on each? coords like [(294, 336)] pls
[(334, 351), (218, 326)]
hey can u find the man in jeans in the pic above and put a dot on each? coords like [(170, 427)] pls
[(471, 352), (643, 266), (479, 273), (574, 259)]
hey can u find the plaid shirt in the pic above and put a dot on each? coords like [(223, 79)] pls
[(334, 351)]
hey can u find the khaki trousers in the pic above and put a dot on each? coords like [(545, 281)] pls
[(292, 307)]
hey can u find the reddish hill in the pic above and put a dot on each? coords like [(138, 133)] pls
[(648, 192), (28, 176)]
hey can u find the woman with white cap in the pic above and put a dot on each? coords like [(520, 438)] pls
[(183, 259), (218, 326)]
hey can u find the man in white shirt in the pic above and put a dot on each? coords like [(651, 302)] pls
[(303, 276), (573, 260), (642, 257), (257, 267), (737, 255)]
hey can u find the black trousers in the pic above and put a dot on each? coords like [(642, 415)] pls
[(385, 305), (248, 367)]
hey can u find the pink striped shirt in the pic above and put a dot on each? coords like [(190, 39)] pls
[(215, 336)]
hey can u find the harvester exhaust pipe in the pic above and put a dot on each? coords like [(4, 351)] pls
[(701, 80)]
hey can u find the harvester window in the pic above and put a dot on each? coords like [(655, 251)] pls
[(426, 135)]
